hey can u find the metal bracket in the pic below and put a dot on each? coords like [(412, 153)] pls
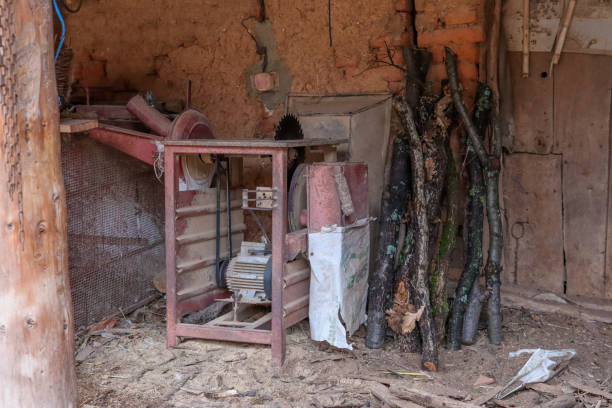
[(265, 199)]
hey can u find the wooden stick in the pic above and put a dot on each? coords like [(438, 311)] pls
[(493, 54), (382, 393), (453, 79), (567, 19), (525, 38), (426, 398), (564, 401), (589, 389), (546, 388), (488, 396)]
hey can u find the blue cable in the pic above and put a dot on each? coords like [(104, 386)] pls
[(63, 36)]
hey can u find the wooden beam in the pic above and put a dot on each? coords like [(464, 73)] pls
[(36, 326), (69, 125)]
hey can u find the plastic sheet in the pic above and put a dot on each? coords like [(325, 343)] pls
[(339, 259), (539, 368)]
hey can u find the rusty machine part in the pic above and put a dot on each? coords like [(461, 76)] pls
[(198, 170), (190, 124), (152, 118)]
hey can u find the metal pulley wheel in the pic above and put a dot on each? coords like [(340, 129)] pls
[(297, 199), (199, 169)]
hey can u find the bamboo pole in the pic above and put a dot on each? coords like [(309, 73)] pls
[(525, 38), (562, 35), (493, 52), (36, 327)]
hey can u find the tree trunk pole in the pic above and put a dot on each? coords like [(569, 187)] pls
[(406, 273), (447, 245), (468, 299), (496, 241), (36, 327), (392, 213), (429, 357), (473, 259), (481, 120)]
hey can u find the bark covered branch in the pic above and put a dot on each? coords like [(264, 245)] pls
[(473, 259), (447, 245), (392, 212), (429, 358), (491, 167), (475, 138), (496, 242)]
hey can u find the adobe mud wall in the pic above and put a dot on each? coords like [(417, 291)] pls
[(157, 45)]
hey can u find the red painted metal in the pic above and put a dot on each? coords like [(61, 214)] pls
[(323, 202), (296, 317), (279, 232), (136, 144), (171, 190), (297, 243), (190, 124), (151, 117), (224, 333), (200, 301)]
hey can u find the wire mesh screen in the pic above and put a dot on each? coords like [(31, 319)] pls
[(115, 228)]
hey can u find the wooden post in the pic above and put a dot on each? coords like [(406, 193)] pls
[(36, 327)]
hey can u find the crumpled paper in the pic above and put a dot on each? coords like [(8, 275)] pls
[(539, 368)]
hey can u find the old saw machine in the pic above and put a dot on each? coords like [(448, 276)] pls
[(267, 280)]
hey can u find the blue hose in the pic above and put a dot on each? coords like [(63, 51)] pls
[(63, 36), (61, 42)]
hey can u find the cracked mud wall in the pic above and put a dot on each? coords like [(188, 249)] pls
[(134, 46)]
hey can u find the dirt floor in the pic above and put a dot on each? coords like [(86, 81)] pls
[(129, 366)]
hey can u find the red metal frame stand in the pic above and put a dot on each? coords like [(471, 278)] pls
[(282, 316)]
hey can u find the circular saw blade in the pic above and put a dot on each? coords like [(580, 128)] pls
[(289, 128)]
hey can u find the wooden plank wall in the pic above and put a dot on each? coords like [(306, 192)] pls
[(533, 99), (563, 125), (534, 237), (582, 134)]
